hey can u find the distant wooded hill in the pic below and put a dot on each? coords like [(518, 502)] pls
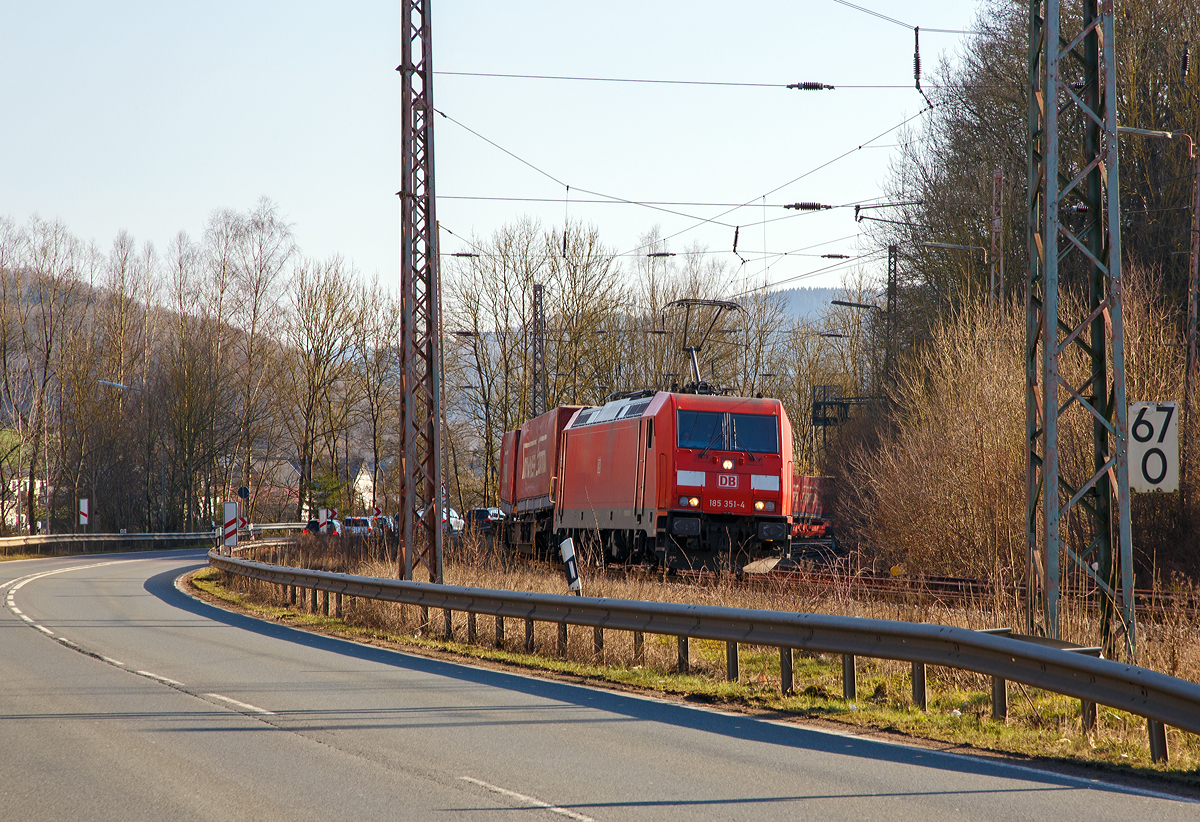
[(809, 303)]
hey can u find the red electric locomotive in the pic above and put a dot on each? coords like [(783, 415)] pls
[(682, 480)]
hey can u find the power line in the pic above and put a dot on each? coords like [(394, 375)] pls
[(884, 133), (873, 13), (550, 176), (807, 274), (595, 202), (656, 81)]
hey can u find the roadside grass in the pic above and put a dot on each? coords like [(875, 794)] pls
[(1040, 725)]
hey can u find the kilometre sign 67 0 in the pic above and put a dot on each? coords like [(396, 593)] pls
[(1154, 446)]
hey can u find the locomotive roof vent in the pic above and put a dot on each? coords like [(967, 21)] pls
[(620, 409)]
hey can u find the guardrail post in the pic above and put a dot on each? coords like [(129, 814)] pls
[(337, 605), (685, 662), (849, 678), (499, 631), (598, 643), (562, 639), (325, 603), (1087, 715), (472, 635), (291, 589), (312, 606), (731, 661), (449, 615), (999, 699), (639, 648), (786, 685), (528, 635), (1158, 740), (920, 690), (424, 618)]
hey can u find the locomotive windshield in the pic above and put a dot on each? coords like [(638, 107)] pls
[(701, 429), (756, 432), (714, 430)]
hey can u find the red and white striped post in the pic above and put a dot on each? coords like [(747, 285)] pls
[(83, 511), (229, 531)]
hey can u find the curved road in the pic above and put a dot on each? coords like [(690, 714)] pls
[(124, 698)]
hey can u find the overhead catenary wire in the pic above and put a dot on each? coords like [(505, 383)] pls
[(807, 274), (567, 186), (900, 23), (802, 86), (808, 173)]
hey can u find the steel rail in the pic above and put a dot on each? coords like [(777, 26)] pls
[(1156, 696)]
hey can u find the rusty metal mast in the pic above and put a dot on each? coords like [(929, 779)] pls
[(540, 397), (1077, 512), (420, 323)]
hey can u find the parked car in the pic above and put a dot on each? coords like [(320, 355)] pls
[(451, 521), (360, 526), (331, 526), (484, 520)]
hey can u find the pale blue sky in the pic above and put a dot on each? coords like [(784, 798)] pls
[(146, 116)]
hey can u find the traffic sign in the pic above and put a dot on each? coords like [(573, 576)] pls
[(83, 511), (244, 492), (1154, 446), (229, 532), (378, 511)]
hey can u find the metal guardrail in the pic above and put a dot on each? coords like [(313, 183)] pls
[(1161, 699), (258, 527), (104, 542)]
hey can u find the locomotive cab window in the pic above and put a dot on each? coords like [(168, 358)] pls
[(718, 431), (758, 433), (701, 429)]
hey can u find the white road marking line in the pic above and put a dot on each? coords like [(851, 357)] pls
[(244, 705), (44, 630), (69, 643), (14, 608), (112, 661), (27, 618), (528, 800), (162, 679)]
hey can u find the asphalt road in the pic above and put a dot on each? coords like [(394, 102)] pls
[(124, 698)]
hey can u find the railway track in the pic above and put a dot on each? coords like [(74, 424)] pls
[(941, 590)]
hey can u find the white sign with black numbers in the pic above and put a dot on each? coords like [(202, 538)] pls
[(1154, 446)]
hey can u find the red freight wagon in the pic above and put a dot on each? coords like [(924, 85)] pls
[(685, 480), (529, 460), (808, 507)]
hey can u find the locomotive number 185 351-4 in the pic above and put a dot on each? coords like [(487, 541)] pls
[(729, 504)]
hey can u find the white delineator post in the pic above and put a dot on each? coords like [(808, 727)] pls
[(231, 524), (567, 550), (83, 511)]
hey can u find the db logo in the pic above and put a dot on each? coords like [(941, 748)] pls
[(727, 480)]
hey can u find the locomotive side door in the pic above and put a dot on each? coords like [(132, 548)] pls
[(640, 490)]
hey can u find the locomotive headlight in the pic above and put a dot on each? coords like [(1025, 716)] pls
[(694, 502), (770, 506), (758, 505), (727, 465), (683, 501)]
